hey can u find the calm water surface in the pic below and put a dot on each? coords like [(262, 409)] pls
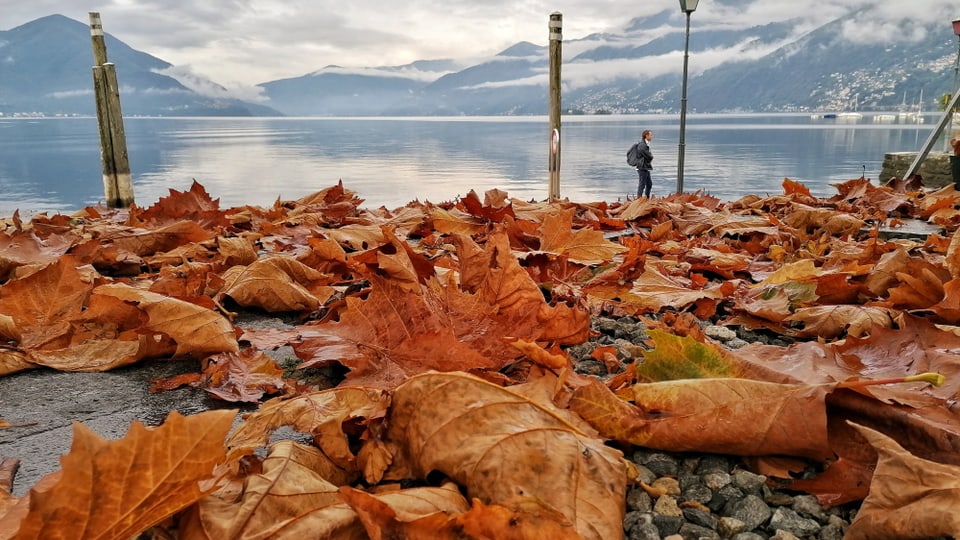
[(54, 164)]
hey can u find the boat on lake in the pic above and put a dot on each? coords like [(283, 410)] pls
[(851, 116), (908, 116)]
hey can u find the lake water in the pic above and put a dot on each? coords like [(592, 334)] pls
[(54, 163)]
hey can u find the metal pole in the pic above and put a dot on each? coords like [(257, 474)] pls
[(956, 69), (956, 66), (553, 160), (932, 139), (683, 108)]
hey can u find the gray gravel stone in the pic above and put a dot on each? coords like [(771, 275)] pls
[(639, 526), (646, 475), (807, 505), (729, 527), (749, 482), (667, 525), (749, 536), (783, 535), (690, 531), (716, 480), (778, 498), (698, 493), (720, 333), (736, 343), (639, 500), (667, 506), (750, 510), (663, 464), (701, 518), (713, 463), (731, 492), (831, 532), (785, 519)]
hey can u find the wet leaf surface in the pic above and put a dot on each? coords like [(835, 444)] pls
[(456, 412)]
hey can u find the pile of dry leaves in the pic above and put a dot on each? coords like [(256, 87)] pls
[(459, 416)]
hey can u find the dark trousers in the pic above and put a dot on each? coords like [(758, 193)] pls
[(646, 183)]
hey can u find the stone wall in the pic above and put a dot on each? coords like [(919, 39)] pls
[(935, 170)]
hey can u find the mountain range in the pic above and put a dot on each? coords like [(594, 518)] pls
[(45, 68)]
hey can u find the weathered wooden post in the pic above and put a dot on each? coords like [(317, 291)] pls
[(556, 40), (117, 184)]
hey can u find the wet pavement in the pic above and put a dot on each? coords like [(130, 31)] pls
[(909, 229), (46, 403)]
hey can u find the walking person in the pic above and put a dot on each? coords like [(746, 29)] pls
[(645, 156)]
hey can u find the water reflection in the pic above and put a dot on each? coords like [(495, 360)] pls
[(53, 164)]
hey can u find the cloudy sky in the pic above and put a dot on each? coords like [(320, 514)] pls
[(239, 43)]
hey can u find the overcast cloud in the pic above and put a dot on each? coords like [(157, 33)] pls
[(239, 43)]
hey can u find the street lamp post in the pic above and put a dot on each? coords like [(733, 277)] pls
[(954, 90), (956, 68), (687, 7), (956, 63)]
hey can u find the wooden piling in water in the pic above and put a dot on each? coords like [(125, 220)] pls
[(556, 39), (117, 183)]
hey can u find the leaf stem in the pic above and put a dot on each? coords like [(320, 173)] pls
[(935, 379)]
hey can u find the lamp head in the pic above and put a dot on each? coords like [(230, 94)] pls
[(689, 6)]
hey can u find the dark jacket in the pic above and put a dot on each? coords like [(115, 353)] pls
[(646, 156)]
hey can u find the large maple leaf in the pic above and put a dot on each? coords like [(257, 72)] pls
[(493, 442), (194, 205), (394, 334), (456, 222), (277, 284), (117, 489), (195, 329), (834, 321), (244, 376), (403, 328), (654, 291), (289, 498), (865, 193), (519, 306), (66, 323), (27, 249), (495, 206), (42, 304), (144, 242), (585, 246)]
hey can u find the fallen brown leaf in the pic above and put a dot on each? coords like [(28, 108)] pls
[(117, 489), (521, 518), (706, 415), (910, 498), (324, 415), (493, 440), (290, 498)]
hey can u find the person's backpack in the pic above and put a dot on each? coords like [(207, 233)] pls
[(633, 155)]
